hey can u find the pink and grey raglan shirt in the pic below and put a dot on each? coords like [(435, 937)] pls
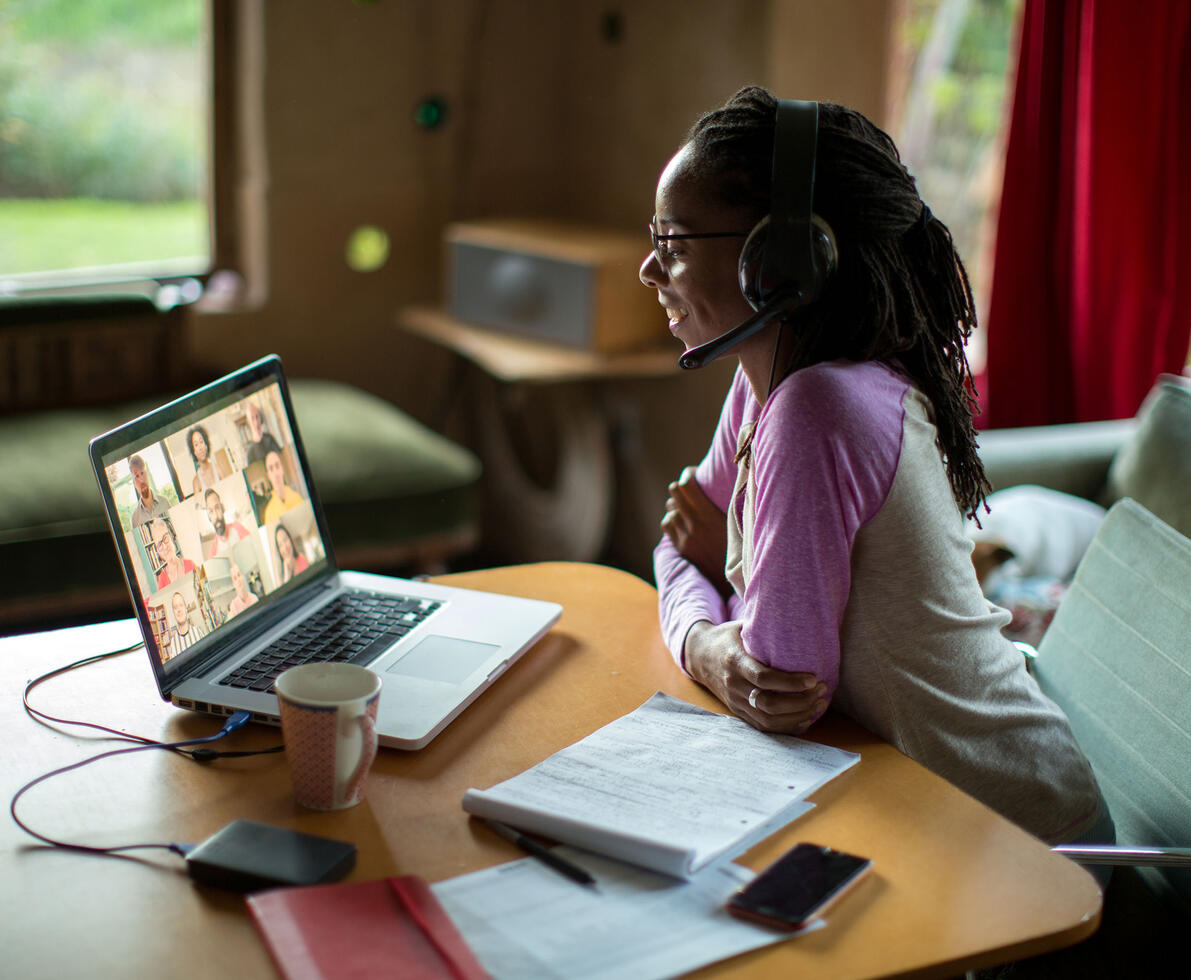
[(858, 571)]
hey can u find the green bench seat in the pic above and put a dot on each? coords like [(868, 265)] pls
[(397, 496)]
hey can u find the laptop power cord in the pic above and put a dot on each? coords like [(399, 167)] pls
[(185, 747), (198, 755)]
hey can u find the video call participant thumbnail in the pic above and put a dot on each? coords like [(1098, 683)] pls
[(226, 533), (174, 564), (148, 504), (284, 497), (184, 633)]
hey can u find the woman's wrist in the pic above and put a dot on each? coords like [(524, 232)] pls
[(692, 648)]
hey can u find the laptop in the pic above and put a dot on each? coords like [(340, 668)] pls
[(232, 575)]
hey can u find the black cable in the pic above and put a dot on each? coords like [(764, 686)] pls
[(198, 755), (94, 658), (235, 721)]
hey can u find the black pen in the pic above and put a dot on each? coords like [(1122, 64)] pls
[(542, 853)]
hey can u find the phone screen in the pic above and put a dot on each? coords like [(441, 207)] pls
[(799, 885)]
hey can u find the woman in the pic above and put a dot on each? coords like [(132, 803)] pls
[(284, 498), (173, 564), (200, 451), (290, 560), (244, 596), (817, 554)]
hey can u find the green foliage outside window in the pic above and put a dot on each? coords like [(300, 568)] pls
[(103, 145), (951, 116)]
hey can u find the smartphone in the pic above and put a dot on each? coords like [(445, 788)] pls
[(800, 885)]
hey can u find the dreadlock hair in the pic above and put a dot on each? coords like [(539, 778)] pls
[(900, 292)]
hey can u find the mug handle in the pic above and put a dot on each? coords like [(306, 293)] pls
[(367, 754)]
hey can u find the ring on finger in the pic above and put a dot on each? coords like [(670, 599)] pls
[(753, 697)]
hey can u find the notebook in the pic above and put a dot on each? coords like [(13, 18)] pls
[(232, 574), (389, 927)]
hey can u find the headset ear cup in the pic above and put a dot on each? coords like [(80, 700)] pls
[(826, 253), (751, 267)]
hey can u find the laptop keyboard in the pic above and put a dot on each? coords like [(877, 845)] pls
[(353, 628)]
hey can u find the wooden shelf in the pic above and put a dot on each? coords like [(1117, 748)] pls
[(520, 359)]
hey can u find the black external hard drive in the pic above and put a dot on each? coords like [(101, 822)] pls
[(246, 855)]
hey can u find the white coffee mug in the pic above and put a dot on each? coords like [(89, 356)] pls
[(328, 723)]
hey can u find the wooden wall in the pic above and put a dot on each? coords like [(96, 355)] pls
[(555, 108)]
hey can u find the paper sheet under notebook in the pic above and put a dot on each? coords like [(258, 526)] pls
[(524, 921)]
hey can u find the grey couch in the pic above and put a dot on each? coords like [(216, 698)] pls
[(1147, 458)]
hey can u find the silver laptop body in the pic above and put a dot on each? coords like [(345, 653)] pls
[(227, 557)]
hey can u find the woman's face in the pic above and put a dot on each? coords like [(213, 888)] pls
[(164, 541), (200, 446), (238, 582), (276, 473), (285, 547), (696, 279)]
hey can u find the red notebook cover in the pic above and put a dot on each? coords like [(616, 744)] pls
[(388, 927)]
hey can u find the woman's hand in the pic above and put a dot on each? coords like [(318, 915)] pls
[(768, 699), (697, 528)]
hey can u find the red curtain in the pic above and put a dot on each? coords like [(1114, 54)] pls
[(1091, 293)]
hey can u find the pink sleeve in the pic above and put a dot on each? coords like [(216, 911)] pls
[(825, 454), (685, 596)]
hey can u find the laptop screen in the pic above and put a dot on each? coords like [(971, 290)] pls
[(215, 514)]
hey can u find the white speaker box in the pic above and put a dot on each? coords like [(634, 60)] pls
[(567, 284)]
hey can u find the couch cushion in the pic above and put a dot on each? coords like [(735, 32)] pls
[(383, 478), (1073, 458), (47, 489), (1154, 465)]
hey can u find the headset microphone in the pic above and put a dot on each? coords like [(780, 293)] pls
[(784, 302)]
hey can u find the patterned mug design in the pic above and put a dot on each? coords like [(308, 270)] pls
[(330, 737)]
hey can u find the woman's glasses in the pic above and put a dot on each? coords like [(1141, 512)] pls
[(662, 252)]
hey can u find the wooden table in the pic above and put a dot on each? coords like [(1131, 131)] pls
[(955, 886)]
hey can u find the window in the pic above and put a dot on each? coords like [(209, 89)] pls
[(952, 91), (104, 141)]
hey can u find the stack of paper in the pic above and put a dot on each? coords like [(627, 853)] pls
[(670, 787)]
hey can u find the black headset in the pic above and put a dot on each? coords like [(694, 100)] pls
[(790, 253)]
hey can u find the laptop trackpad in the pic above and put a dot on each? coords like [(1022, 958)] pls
[(443, 658)]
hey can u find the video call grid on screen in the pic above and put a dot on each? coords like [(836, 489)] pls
[(216, 517)]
